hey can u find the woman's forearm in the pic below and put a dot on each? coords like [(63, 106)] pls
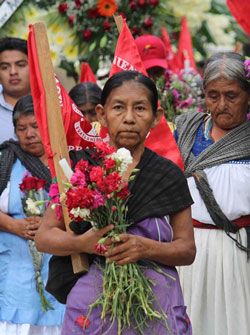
[(174, 253)]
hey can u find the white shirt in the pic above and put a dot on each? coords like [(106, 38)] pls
[(6, 124), (230, 185)]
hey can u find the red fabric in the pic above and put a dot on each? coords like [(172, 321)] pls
[(126, 56), (241, 11), (78, 130), (87, 74), (185, 47), (161, 141), (171, 57), (243, 221)]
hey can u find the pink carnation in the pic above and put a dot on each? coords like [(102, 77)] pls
[(78, 178), (55, 199), (98, 199)]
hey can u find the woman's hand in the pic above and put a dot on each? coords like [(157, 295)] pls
[(91, 238), (27, 227), (130, 249)]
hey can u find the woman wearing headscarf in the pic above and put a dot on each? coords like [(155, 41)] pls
[(215, 147)]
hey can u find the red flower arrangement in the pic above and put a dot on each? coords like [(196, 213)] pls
[(95, 28), (32, 183), (98, 188), (33, 198)]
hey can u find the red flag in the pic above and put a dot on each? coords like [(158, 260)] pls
[(241, 11), (127, 57), (171, 57), (185, 55), (78, 130), (87, 74)]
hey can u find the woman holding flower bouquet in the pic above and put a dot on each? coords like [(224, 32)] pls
[(142, 236), (216, 151), (25, 308)]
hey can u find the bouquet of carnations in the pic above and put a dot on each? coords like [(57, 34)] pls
[(98, 195), (180, 93), (34, 201)]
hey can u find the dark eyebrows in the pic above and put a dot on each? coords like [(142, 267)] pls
[(17, 62), (117, 101), (141, 102), (135, 103)]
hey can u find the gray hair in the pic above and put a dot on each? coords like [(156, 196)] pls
[(228, 65)]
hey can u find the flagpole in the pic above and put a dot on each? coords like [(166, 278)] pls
[(119, 22), (55, 126)]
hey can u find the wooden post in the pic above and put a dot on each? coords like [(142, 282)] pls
[(119, 22), (55, 125)]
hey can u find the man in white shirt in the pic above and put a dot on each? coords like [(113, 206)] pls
[(14, 81)]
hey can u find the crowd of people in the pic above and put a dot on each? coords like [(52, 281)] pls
[(195, 224)]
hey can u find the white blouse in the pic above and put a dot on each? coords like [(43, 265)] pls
[(230, 183)]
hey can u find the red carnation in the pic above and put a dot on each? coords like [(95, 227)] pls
[(100, 248), (92, 13), (82, 165), (31, 183), (109, 163), (63, 7), (106, 25), (96, 174), (40, 184), (135, 30), (82, 321), (124, 192), (103, 149), (154, 3), (123, 15), (141, 3), (133, 5), (112, 182), (148, 22), (78, 3), (87, 33), (81, 197), (71, 19)]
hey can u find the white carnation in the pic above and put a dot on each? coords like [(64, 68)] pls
[(32, 207), (123, 157), (83, 213)]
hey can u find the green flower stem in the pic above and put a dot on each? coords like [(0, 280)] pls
[(40, 289), (127, 298)]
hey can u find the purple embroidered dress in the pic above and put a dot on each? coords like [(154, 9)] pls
[(167, 292)]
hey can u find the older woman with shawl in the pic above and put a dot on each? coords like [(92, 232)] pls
[(22, 268), (216, 151)]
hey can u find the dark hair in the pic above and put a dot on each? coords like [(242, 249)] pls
[(86, 92), (119, 78), (229, 65), (13, 43), (24, 106)]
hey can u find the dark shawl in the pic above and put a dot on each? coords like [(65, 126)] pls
[(9, 152)]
